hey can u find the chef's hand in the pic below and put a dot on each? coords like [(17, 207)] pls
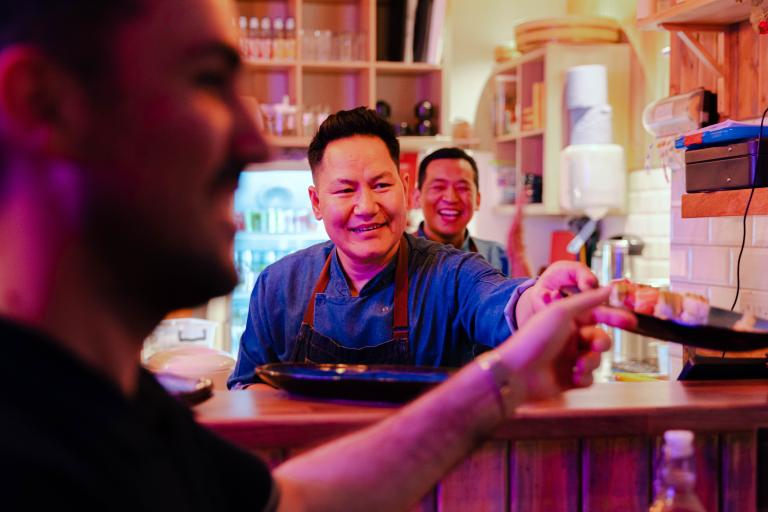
[(547, 288), (559, 348)]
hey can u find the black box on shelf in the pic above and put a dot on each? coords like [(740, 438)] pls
[(727, 167)]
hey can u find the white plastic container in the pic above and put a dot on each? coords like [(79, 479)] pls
[(593, 179)]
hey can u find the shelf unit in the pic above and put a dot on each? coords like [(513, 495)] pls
[(339, 84), (537, 151), (701, 13), (725, 203)]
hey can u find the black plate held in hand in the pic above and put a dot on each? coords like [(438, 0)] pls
[(377, 383), (716, 334)]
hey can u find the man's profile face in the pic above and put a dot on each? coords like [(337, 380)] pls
[(448, 197), (360, 197), (163, 157)]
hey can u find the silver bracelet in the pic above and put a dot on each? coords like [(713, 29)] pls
[(501, 376)]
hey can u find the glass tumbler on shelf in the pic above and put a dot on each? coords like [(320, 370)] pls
[(323, 38), (345, 46), (360, 47)]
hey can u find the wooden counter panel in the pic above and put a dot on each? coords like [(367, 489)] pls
[(479, 483), (590, 450), (627, 486), (545, 476), (724, 203), (739, 471)]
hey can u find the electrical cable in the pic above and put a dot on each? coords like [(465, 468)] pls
[(746, 210)]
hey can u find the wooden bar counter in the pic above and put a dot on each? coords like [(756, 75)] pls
[(592, 450)]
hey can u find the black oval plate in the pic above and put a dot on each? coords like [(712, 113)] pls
[(378, 383), (716, 334)]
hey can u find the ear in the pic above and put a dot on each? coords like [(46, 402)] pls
[(416, 198), (40, 104), (314, 198), (477, 200)]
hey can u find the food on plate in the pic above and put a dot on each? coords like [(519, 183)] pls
[(645, 299), (695, 309), (687, 308), (669, 306), (622, 294), (746, 323)]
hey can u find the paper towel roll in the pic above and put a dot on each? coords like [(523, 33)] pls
[(586, 86), (592, 125)]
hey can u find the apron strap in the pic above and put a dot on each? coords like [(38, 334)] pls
[(322, 284), (400, 310)]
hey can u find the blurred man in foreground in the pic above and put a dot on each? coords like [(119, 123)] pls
[(121, 141)]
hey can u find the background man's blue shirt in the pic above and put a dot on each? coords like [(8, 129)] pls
[(456, 305), (493, 252)]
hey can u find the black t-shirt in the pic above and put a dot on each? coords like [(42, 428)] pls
[(69, 436)]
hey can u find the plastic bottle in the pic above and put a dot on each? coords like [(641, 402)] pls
[(290, 38), (676, 476), (278, 39), (266, 39), (254, 42)]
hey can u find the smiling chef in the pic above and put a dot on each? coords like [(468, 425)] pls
[(448, 195), (374, 294)]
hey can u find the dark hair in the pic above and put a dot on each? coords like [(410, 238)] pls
[(447, 154), (348, 123), (74, 33)]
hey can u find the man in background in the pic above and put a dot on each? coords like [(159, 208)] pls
[(121, 142), (448, 193)]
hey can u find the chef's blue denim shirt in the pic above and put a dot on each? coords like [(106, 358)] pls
[(456, 306)]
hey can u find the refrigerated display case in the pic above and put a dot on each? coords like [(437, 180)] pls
[(273, 210)]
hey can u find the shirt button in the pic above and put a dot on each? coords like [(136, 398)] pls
[(385, 309)]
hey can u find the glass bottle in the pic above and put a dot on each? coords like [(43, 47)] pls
[(243, 24), (676, 476), (266, 38), (290, 38), (254, 41), (278, 39)]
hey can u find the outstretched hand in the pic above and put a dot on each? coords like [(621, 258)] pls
[(559, 348), (547, 288)]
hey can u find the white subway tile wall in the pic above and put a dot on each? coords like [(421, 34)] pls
[(648, 217), (704, 253)]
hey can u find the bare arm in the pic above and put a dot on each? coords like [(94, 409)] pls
[(391, 465)]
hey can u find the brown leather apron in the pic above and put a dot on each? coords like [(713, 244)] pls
[(313, 347)]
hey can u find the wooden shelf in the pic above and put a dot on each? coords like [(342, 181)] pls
[(408, 143), (532, 133), (270, 65), (404, 68), (699, 12), (334, 66), (725, 203), (509, 137)]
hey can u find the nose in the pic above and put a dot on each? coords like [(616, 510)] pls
[(450, 195), (250, 145), (366, 205)]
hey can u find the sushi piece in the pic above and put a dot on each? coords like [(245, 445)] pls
[(669, 306), (645, 299), (622, 294), (746, 323), (695, 309)]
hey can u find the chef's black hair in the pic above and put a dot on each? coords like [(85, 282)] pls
[(447, 154), (349, 123)]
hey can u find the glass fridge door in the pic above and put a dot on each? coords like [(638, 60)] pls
[(276, 219)]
